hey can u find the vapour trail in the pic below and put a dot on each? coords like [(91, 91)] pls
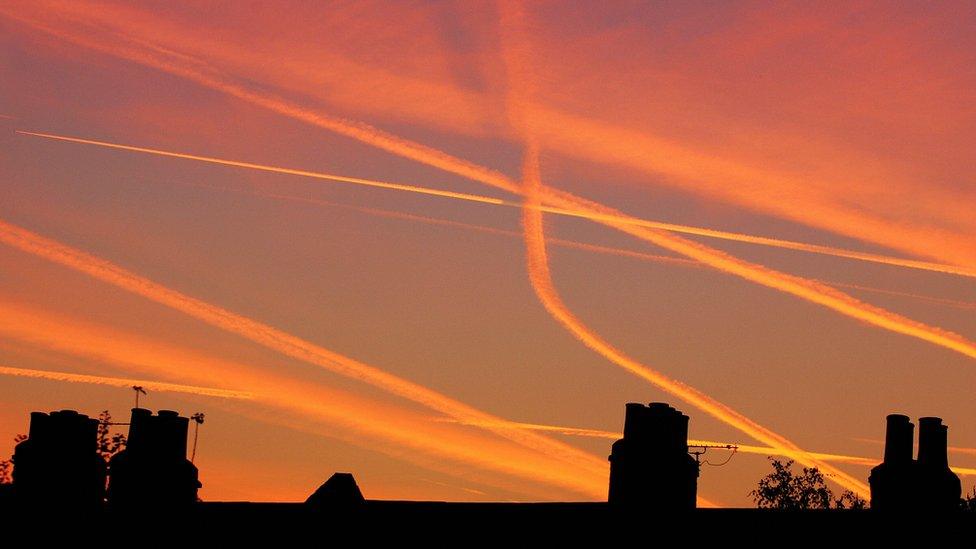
[(744, 448), (516, 58), (955, 449), (389, 428), (672, 227), (538, 267), (563, 243), (124, 382), (277, 169), (803, 288), (442, 160), (970, 305), (278, 340), (796, 286)]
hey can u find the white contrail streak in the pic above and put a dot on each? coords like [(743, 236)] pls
[(124, 382)]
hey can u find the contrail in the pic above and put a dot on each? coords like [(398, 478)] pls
[(959, 450), (796, 286), (277, 340), (954, 449), (278, 169), (124, 382), (563, 243), (970, 305), (744, 448), (537, 261), (539, 275), (729, 179), (806, 289), (469, 197), (363, 421), (562, 200)]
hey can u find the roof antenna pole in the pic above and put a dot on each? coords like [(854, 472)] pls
[(138, 389), (198, 420)]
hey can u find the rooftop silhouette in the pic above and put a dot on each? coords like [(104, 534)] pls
[(651, 474)]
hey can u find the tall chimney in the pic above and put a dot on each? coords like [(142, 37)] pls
[(681, 437), (899, 440), (139, 426), (172, 434), (634, 422), (933, 443), (39, 426)]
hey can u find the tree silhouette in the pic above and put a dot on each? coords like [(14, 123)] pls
[(968, 502), (109, 443), (786, 490), (7, 465)]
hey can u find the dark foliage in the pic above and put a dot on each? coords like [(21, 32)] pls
[(109, 443), (784, 489), (968, 501), (7, 466)]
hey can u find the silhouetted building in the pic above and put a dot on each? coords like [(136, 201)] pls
[(153, 469), (927, 484), (340, 491), (58, 464), (650, 466)]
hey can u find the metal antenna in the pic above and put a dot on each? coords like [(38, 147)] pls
[(138, 389), (703, 448), (198, 420)]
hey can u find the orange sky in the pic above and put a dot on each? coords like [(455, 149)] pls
[(841, 127)]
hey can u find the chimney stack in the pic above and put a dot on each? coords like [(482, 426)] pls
[(933, 443), (926, 484), (650, 466), (153, 470), (58, 464)]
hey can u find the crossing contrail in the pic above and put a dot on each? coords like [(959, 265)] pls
[(124, 382), (388, 427), (568, 204), (583, 214), (539, 275), (277, 340), (564, 243), (799, 287), (744, 448)]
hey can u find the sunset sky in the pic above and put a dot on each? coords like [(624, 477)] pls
[(440, 245)]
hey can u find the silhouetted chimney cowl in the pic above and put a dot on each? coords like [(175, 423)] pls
[(899, 439), (38, 426), (139, 426), (633, 420), (933, 443)]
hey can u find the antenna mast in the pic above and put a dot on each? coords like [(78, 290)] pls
[(198, 420), (138, 389), (701, 449)]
